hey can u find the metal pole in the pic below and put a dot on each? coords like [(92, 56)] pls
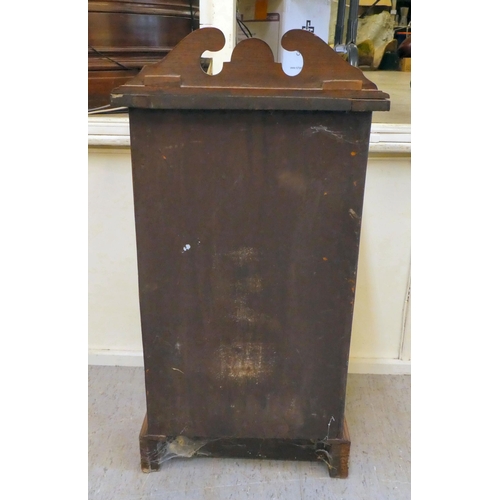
[(352, 23), (339, 26)]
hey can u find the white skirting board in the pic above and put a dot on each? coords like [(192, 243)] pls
[(107, 357)]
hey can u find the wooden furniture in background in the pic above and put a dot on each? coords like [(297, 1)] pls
[(248, 194), (123, 36)]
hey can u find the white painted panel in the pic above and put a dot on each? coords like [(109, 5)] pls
[(384, 260), (219, 14), (114, 321)]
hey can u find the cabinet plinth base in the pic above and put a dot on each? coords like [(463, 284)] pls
[(157, 449)]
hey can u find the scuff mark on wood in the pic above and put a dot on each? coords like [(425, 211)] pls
[(322, 129), (244, 361), (244, 255)]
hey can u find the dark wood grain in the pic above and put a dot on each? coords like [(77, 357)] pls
[(100, 83), (165, 7), (126, 33), (124, 36), (256, 200)]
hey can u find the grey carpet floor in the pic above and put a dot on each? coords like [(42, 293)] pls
[(377, 412)]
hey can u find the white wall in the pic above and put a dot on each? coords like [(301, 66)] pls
[(384, 264), (377, 346), (114, 322)]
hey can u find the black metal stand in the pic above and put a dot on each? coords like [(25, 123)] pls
[(349, 47)]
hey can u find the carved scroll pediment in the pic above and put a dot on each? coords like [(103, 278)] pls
[(251, 72), (252, 65)]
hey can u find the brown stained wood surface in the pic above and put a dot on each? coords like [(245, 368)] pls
[(325, 82), (156, 449), (247, 237), (124, 36), (124, 27), (129, 32), (166, 7), (100, 83)]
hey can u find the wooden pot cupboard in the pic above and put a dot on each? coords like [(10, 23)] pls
[(248, 194)]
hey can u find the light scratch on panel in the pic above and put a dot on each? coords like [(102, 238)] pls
[(328, 431)]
